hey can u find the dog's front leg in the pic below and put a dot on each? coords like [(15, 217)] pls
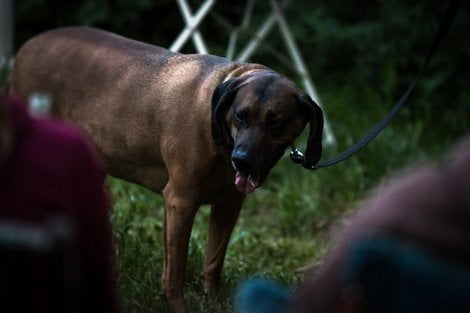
[(222, 221), (179, 217)]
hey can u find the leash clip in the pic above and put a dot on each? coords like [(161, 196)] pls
[(296, 156)]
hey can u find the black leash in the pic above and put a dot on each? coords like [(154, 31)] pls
[(446, 21)]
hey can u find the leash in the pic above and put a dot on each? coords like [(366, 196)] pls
[(444, 26)]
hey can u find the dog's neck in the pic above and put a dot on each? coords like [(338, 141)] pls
[(246, 69)]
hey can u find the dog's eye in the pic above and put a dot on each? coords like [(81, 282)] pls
[(275, 124), (240, 117), (273, 120)]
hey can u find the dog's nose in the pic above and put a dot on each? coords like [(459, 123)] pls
[(242, 160)]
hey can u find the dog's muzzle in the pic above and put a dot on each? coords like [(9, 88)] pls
[(246, 181)]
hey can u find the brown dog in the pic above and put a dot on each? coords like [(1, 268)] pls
[(197, 128)]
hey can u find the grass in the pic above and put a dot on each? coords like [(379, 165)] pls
[(284, 226)]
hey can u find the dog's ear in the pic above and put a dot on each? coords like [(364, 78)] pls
[(222, 99), (314, 144)]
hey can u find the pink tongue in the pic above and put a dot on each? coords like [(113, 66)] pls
[(245, 183)]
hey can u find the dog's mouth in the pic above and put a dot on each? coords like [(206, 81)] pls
[(247, 183), (249, 178)]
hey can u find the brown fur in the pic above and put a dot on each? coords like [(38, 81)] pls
[(148, 110)]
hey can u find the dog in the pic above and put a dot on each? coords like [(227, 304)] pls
[(199, 129)]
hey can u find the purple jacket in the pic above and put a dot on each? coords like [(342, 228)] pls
[(53, 170)]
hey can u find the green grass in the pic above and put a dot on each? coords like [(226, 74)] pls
[(284, 226)]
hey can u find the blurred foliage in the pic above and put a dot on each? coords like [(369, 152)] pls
[(368, 51), (361, 56)]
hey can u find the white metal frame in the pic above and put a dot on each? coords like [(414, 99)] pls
[(275, 17), (192, 23)]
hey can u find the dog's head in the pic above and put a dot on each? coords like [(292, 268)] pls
[(259, 115)]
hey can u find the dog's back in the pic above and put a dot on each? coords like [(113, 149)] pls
[(56, 48), (118, 90), (72, 57)]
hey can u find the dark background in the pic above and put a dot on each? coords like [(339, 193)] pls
[(372, 48)]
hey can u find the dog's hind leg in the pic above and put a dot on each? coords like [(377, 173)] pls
[(222, 221)]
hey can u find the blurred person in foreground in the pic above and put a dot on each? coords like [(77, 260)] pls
[(406, 250), (48, 169)]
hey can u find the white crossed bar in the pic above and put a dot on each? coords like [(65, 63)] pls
[(276, 17), (192, 23)]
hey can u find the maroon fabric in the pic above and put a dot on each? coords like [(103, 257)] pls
[(429, 208), (52, 169)]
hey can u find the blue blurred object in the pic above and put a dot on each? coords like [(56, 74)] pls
[(260, 296), (398, 277)]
